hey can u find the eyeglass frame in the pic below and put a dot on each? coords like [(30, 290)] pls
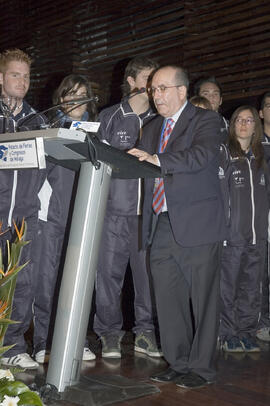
[(247, 121), (161, 89)]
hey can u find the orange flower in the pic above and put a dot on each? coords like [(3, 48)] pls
[(3, 308), (19, 232)]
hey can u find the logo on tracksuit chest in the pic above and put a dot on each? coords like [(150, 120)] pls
[(262, 180), (124, 138), (221, 173), (238, 178)]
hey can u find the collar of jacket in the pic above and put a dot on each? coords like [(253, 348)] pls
[(127, 110)]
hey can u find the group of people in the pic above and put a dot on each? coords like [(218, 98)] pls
[(197, 235)]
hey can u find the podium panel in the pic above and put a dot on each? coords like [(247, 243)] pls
[(78, 279)]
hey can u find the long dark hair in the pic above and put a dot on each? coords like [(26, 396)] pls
[(256, 142), (67, 84)]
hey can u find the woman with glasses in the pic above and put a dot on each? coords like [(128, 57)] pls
[(244, 175)]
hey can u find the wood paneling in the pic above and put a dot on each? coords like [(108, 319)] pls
[(224, 38)]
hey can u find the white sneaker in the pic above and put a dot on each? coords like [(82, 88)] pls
[(263, 334), (42, 357), (20, 360), (88, 355)]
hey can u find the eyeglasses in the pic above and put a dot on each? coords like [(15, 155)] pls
[(160, 89), (247, 121)]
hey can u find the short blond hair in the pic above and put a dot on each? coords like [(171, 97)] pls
[(13, 55)]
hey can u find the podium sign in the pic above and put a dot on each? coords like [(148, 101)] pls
[(22, 154)]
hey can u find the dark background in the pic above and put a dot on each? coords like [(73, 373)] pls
[(225, 38)]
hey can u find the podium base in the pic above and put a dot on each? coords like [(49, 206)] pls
[(96, 390)]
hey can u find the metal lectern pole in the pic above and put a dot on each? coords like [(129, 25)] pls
[(75, 295)]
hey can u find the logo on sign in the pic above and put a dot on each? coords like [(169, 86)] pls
[(3, 152)]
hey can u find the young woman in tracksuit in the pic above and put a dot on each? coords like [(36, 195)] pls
[(245, 178), (55, 200)]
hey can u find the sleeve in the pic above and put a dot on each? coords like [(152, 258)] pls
[(224, 173), (104, 133), (102, 128), (205, 133), (55, 195), (266, 167)]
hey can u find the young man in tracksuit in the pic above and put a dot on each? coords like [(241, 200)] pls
[(19, 199), (120, 126), (209, 88)]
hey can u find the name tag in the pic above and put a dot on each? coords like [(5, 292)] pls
[(90, 126), (22, 154)]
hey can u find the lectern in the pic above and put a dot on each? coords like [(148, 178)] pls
[(98, 163)]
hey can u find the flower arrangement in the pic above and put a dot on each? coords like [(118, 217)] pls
[(12, 392)]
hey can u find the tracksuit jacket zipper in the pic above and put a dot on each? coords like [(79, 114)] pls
[(252, 202)]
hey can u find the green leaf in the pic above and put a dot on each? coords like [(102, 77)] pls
[(3, 382), (1, 259), (8, 321), (15, 252), (6, 348), (30, 398), (14, 388), (6, 279)]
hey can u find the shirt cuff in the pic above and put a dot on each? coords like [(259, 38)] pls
[(156, 159)]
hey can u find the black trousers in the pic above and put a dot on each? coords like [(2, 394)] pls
[(119, 245), (241, 275), (265, 316), (186, 285)]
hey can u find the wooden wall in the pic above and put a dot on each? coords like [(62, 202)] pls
[(225, 38)]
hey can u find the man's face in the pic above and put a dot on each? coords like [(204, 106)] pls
[(167, 96), (140, 81), (265, 112), (212, 93), (15, 80)]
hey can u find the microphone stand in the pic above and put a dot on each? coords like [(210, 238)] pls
[(77, 102), (62, 113)]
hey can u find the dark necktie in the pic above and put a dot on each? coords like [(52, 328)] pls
[(159, 194)]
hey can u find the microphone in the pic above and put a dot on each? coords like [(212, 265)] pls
[(71, 102), (76, 102), (135, 92)]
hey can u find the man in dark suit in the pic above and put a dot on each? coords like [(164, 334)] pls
[(189, 228)]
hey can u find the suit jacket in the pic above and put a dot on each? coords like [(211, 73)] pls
[(189, 165)]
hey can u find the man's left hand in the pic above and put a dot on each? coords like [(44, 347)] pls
[(144, 156)]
